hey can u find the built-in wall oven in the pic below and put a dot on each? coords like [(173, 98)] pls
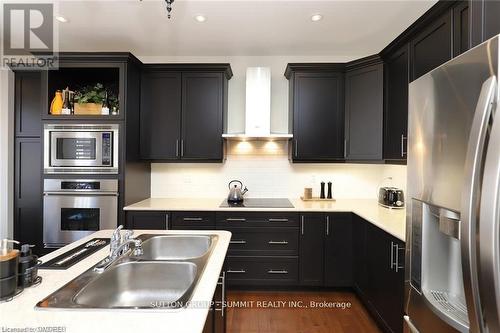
[(77, 208), (81, 148)]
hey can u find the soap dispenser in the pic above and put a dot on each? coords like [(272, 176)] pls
[(9, 259), (28, 267)]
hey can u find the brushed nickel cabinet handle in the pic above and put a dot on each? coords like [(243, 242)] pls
[(403, 152), (397, 266), (277, 271), (193, 219), (278, 220), (166, 221), (328, 225), (296, 148), (240, 271), (182, 147), (238, 241), (277, 242), (235, 220), (302, 225)]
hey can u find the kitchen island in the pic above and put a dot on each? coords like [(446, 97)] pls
[(21, 315)]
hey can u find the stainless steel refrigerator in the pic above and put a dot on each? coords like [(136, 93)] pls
[(452, 276)]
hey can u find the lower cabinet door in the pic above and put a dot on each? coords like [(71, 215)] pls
[(312, 233), (261, 270), (338, 250)]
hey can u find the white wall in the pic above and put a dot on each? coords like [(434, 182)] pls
[(266, 174), (6, 153)]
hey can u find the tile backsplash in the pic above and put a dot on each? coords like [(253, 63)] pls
[(265, 169)]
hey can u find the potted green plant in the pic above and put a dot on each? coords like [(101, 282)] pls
[(89, 99)]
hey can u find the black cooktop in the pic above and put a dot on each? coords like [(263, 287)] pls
[(260, 203)]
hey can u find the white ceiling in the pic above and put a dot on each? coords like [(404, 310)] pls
[(233, 27)]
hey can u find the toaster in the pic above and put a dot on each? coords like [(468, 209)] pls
[(391, 197)]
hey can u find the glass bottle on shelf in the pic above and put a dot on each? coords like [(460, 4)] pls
[(66, 108), (105, 105), (57, 103)]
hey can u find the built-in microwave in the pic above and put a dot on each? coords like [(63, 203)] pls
[(81, 148)]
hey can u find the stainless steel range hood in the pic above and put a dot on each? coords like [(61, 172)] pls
[(258, 108)]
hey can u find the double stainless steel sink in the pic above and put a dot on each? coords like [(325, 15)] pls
[(164, 276)]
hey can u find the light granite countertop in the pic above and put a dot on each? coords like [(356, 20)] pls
[(20, 313), (392, 221)]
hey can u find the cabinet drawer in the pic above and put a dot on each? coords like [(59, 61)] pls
[(271, 241), (256, 219), (261, 270), (193, 220)]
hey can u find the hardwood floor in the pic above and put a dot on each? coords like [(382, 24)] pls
[(278, 312)]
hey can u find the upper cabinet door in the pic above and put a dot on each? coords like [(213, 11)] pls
[(461, 36), (364, 105), (160, 115), (396, 105), (432, 47), (28, 103), (484, 20), (202, 116), (318, 121)]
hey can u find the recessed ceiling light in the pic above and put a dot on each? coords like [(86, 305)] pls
[(61, 19), (200, 18), (316, 17)]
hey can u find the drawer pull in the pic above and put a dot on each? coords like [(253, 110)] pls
[(236, 220), (278, 220), (193, 219), (242, 241), (277, 242), (241, 271), (277, 271)]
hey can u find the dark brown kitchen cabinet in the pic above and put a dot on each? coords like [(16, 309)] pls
[(147, 220), (461, 28), (216, 318), (28, 211), (160, 132), (364, 105), (28, 102), (432, 46), (396, 104), (202, 116), (29, 96), (325, 250), (182, 112), (316, 112), (311, 258), (379, 279), (484, 20), (338, 250), (264, 248)]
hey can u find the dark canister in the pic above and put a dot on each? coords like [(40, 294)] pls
[(28, 267), (9, 259)]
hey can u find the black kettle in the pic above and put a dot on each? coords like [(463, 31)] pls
[(236, 192)]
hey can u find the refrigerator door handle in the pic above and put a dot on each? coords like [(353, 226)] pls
[(470, 200), (489, 242)]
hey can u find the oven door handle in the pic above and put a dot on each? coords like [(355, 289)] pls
[(96, 194)]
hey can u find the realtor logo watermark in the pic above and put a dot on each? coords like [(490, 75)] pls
[(29, 36)]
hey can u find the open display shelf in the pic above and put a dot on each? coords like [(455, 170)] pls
[(78, 77)]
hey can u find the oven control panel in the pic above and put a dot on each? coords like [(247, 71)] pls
[(106, 148)]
